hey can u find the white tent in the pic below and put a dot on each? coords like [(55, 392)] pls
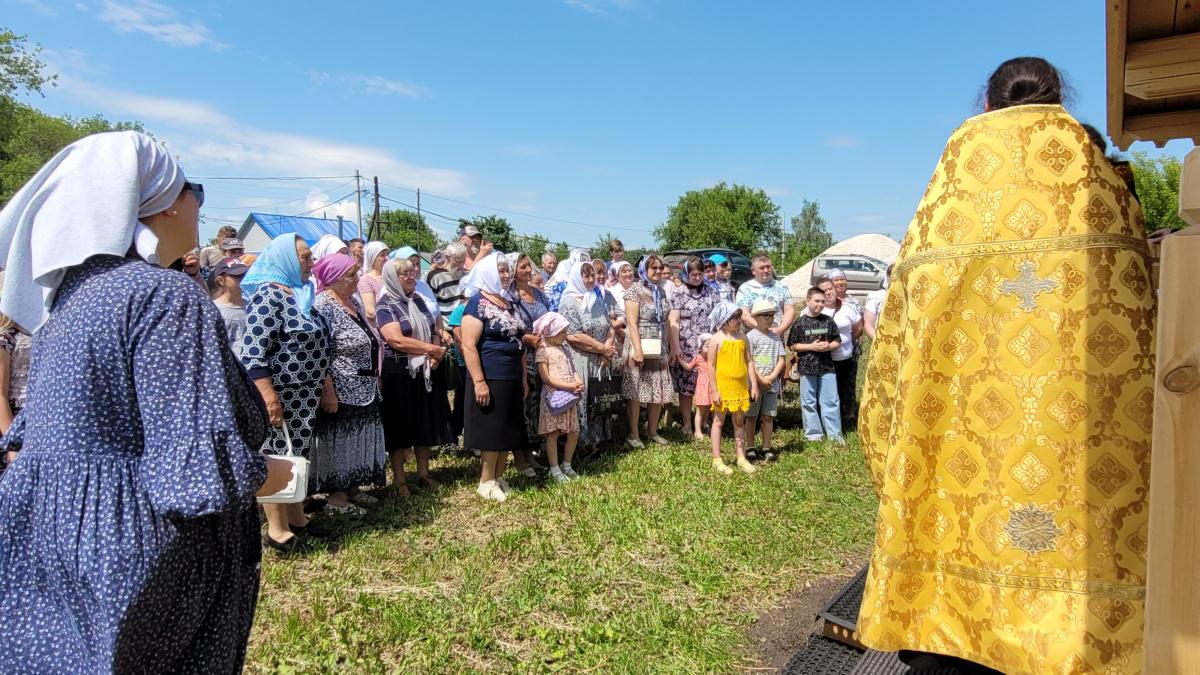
[(877, 246)]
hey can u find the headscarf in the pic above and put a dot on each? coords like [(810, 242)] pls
[(835, 273), (512, 259), (331, 268), (278, 264), (87, 200), (614, 271), (721, 312), (562, 273), (578, 290), (421, 328), (485, 276), (328, 245), (372, 251), (655, 289), (550, 324)]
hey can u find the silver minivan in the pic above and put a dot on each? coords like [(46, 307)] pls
[(863, 273)]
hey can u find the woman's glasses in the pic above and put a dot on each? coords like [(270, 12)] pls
[(197, 189)]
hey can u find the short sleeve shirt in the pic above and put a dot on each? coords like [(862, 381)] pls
[(806, 330), (500, 346), (765, 350), (775, 293), (392, 310), (846, 316)]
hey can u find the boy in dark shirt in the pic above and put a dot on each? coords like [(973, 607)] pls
[(813, 337)]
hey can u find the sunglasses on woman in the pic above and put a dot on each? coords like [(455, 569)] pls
[(197, 189)]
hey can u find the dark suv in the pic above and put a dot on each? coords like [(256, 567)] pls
[(739, 262)]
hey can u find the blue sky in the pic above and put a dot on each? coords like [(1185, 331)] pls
[(600, 112)]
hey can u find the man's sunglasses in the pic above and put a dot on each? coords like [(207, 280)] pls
[(197, 189)]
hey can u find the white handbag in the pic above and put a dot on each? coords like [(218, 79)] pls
[(297, 488), (652, 349)]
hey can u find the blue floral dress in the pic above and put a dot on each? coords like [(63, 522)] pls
[(128, 528)]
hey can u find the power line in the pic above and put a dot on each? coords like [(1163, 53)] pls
[(288, 201), (518, 213), (270, 177), (456, 221), (345, 196)]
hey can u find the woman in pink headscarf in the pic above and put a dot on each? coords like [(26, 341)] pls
[(349, 450)]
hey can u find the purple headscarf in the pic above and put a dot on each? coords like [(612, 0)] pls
[(332, 267)]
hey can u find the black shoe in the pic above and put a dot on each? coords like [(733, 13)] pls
[(312, 529), (293, 546)]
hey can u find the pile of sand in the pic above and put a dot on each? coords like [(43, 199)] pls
[(877, 246)]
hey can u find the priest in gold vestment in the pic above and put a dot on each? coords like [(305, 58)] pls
[(1006, 414)]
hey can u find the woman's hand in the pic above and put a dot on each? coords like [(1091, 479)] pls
[(329, 401), (279, 474), (436, 352), (275, 412), (578, 388), (483, 394), (638, 357)]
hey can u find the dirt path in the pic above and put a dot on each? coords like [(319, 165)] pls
[(778, 634)]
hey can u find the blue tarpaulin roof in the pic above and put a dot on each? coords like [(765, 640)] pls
[(311, 229)]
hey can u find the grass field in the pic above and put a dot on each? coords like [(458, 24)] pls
[(652, 562)]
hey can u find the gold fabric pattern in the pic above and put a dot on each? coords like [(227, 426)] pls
[(1007, 409)]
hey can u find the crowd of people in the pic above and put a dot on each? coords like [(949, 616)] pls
[(1005, 413)]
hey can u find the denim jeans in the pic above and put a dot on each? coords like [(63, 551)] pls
[(825, 420)]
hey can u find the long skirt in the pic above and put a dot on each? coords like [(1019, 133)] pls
[(349, 451), (533, 411), (847, 386), (500, 426), (597, 404), (412, 416), (299, 413)]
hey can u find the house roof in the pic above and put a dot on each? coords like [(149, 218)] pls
[(310, 229), (1153, 71)]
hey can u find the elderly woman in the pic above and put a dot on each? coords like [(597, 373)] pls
[(328, 245), (349, 450), (492, 329), (127, 522), (647, 377), (370, 282), (690, 306), (531, 303), (848, 316), (586, 306), (557, 283), (414, 391), (286, 350)]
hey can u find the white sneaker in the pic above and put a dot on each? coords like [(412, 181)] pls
[(364, 499), (491, 491), (503, 485), (347, 510), (569, 472), (558, 475), (660, 440), (634, 443)]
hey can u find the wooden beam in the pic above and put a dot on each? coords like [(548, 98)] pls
[(1164, 126), (1173, 558), (1116, 22), (1165, 67)]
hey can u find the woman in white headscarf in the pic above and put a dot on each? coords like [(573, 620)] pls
[(128, 527), (557, 283), (492, 328), (370, 284), (326, 245), (585, 306)]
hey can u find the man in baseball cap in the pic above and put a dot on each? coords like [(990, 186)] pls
[(232, 247)]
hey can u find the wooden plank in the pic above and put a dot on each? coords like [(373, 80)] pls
[(1162, 68), (1150, 19), (1116, 18), (1187, 16), (1162, 127), (1172, 643)]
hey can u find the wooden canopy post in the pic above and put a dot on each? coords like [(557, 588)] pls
[(1172, 642)]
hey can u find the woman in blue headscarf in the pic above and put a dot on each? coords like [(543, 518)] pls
[(287, 351), (647, 377)]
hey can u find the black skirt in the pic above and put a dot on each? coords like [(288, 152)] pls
[(501, 425), (413, 417)]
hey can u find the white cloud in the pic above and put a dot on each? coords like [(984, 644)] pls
[(40, 7), (844, 141), (600, 7), (204, 135), (777, 191), (369, 85), (160, 22), (868, 219), (320, 206)]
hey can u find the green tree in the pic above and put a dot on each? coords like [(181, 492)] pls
[(497, 230), (401, 227), (601, 248), (532, 245), (730, 216), (20, 67), (1157, 183), (809, 236)]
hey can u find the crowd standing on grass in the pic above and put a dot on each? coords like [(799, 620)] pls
[(129, 532)]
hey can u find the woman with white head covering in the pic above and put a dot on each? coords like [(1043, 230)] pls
[(492, 328), (370, 284), (557, 283), (127, 522), (414, 388), (585, 305), (328, 244)]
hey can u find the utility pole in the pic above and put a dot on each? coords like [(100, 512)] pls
[(375, 217), (340, 235), (418, 206), (358, 199)]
